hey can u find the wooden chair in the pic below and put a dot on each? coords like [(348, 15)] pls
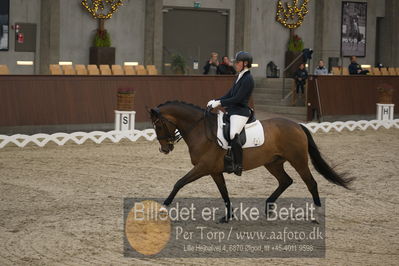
[(81, 70), (4, 70), (68, 70), (141, 71), (93, 70), (345, 71), (105, 70), (117, 70), (397, 71), (139, 67), (129, 70), (152, 70), (336, 71), (369, 69), (104, 67), (384, 71), (392, 71), (55, 69), (376, 71)]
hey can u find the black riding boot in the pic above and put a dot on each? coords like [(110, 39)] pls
[(236, 148), (229, 161)]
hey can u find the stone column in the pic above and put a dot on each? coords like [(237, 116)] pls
[(153, 33), (318, 29), (49, 34), (389, 37), (242, 27)]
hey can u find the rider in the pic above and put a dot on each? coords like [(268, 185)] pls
[(235, 103)]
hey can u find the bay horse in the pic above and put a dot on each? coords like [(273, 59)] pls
[(285, 141)]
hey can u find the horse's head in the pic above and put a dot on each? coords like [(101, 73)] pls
[(165, 130)]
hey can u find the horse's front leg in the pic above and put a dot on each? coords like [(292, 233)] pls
[(220, 182), (194, 174)]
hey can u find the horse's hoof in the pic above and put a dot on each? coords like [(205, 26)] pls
[(167, 202), (268, 214), (223, 220)]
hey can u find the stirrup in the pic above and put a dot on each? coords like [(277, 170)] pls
[(237, 170)]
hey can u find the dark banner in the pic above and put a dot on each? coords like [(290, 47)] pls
[(4, 24), (353, 29)]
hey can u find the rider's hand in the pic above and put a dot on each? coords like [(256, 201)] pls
[(214, 104), (209, 104)]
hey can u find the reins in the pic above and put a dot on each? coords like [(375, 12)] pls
[(175, 137), (216, 139)]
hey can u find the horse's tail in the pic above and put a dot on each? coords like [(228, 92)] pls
[(321, 165)]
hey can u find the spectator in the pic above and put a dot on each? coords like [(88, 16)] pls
[(301, 75), (321, 69), (212, 65), (226, 67), (355, 68)]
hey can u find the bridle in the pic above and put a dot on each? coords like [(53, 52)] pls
[(171, 138), (177, 135)]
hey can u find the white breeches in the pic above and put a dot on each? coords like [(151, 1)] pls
[(237, 123)]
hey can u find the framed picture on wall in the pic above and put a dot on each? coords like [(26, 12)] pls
[(353, 29), (4, 24)]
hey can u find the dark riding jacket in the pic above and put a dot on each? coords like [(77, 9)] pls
[(236, 99)]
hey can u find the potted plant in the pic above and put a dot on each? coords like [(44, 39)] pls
[(102, 39), (178, 64), (101, 53), (294, 49), (125, 99), (295, 44)]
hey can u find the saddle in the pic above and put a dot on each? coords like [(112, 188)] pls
[(252, 134), (226, 127)]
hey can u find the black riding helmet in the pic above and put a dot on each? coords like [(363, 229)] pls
[(244, 56)]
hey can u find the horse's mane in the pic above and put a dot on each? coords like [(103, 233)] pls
[(209, 117), (181, 103)]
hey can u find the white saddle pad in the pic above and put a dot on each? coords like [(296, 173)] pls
[(253, 132)]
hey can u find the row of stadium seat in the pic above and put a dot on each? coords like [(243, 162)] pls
[(94, 70), (56, 69), (102, 70), (4, 70), (372, 71)]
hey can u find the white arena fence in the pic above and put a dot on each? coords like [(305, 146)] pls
[(149, 134), (352, 125)]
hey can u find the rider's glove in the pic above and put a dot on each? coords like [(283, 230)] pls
[(214, 103)]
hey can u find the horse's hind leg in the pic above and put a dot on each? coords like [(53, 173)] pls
[(284, 180), (307, 177)]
